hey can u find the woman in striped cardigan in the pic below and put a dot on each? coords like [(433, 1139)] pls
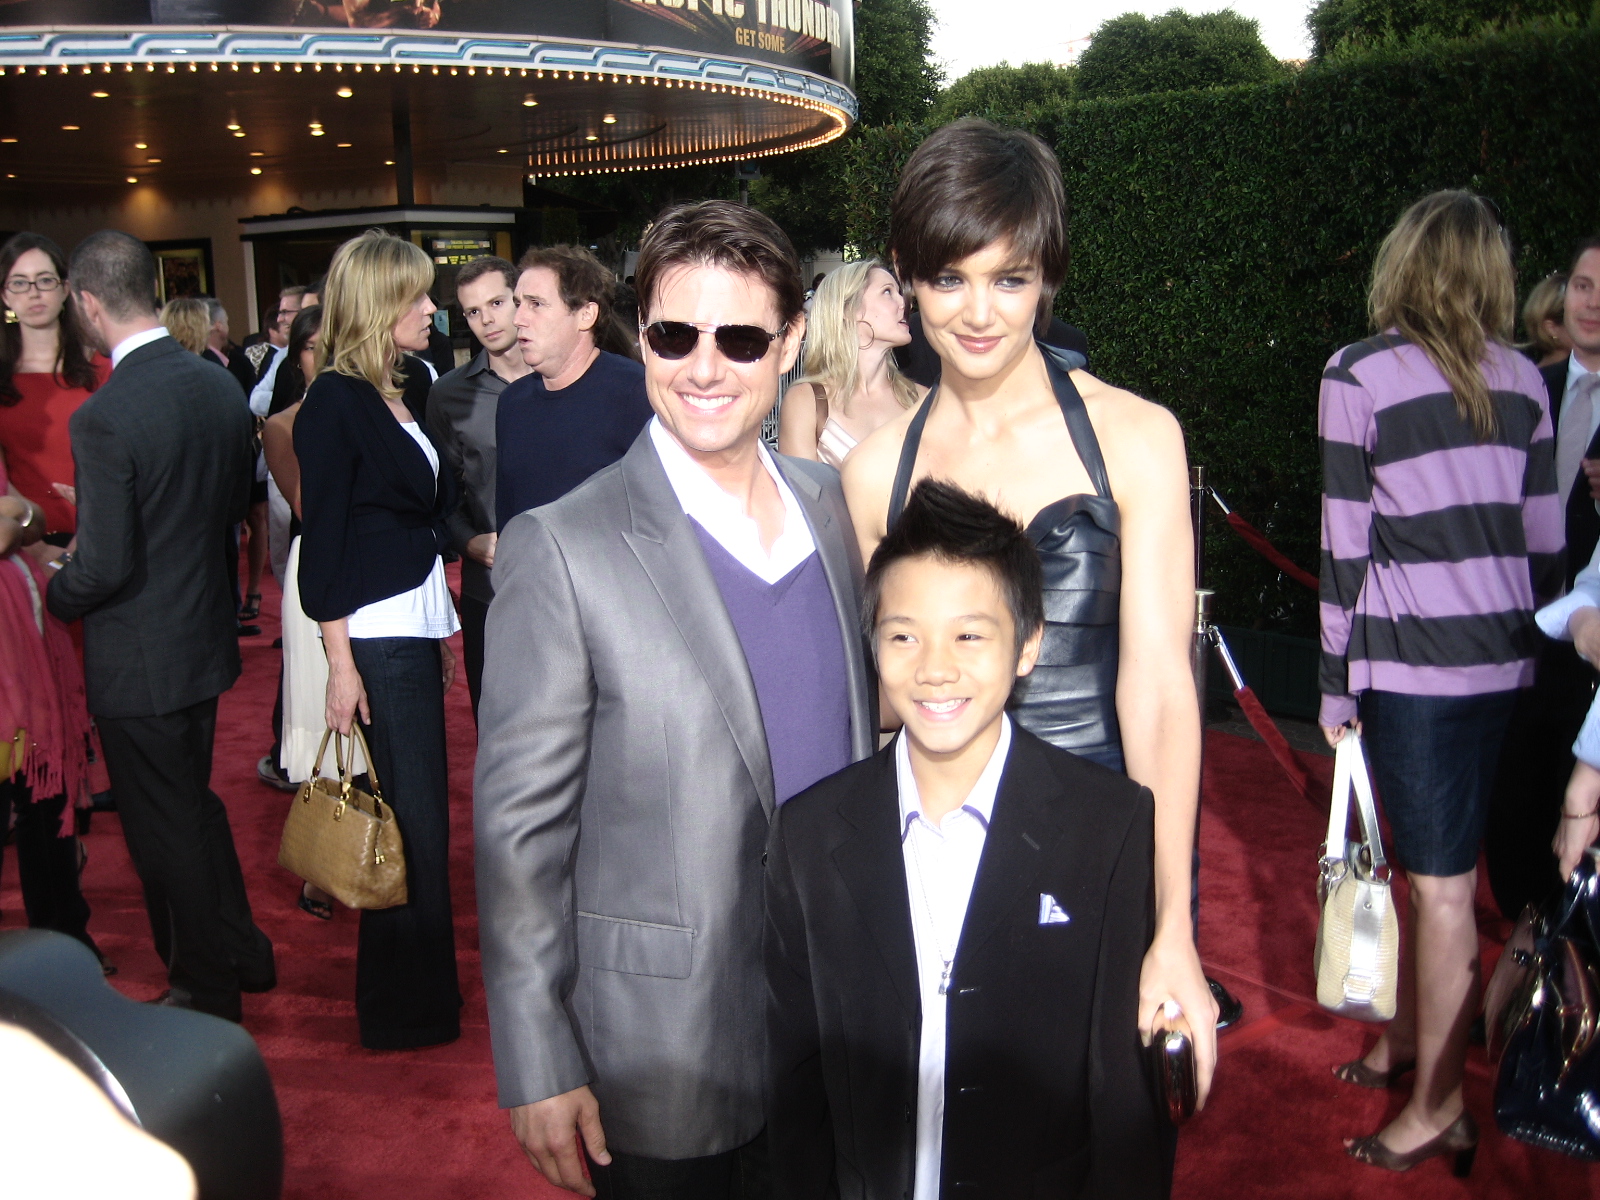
[(1441, 534)]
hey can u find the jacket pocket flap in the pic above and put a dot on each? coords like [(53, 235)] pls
[(634, 947)]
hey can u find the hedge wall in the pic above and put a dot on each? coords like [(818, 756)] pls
[(1222, 242)]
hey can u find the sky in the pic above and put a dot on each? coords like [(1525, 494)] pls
[(981, 33)]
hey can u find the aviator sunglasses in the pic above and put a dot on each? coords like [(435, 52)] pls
[(739, 343)]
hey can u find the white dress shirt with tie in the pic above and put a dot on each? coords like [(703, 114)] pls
[(941, 863)]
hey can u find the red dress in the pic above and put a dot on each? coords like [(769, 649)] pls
[(38, 450)]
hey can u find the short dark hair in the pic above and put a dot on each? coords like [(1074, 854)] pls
[(307, 324), (487, 265), (721, 233), (942, 522), (1583, 247), (118, 270), (971, 184)]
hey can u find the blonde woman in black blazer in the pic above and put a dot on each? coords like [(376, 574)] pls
[(373, 503)]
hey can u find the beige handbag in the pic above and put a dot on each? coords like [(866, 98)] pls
[(1357, 958), (342, 840)]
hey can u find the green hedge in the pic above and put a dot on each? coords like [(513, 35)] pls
[(1222, 242)]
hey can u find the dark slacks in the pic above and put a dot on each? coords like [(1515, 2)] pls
[(740, 1174), (182, 847), (474, 613), (1535, 761), (406, 989), (47, 864)]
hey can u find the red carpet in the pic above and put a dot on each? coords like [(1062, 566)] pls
[(362, 1125)]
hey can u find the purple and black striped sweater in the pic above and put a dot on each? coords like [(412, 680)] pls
[(1436, 548)]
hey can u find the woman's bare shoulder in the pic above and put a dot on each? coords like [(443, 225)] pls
[(1124, 420)]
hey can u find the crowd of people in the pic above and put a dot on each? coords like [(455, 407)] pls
[(835, 803)]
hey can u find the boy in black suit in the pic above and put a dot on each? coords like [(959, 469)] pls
[(955, 926)]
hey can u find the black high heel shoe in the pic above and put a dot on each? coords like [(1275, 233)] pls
[(1459, 1139), (252, 607), (322, 910)]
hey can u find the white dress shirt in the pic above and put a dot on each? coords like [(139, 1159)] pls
[(261, 394), (131, 343), (426, 611), (941, 863), (722, 515)]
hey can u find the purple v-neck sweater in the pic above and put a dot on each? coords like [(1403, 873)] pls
[(790, 634)]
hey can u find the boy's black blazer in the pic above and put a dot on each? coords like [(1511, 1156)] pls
[(373, 515), (1046, 1090)]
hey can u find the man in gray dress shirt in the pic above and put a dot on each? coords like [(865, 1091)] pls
[(461, 413)]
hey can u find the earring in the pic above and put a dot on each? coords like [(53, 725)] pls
[(871, 334)]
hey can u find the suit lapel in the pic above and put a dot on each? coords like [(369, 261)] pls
[(670, 554), (843, 571), (874, 871), (1023, 836)]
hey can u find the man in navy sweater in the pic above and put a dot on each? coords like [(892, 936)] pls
[(581, 406)]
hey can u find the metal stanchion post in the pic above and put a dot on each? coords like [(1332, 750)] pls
[(1205, 637)]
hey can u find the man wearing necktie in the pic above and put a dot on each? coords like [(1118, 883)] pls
[(1536, 758)]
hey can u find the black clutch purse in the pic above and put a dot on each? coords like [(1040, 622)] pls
[(1171, 1053), (1548, 1091)]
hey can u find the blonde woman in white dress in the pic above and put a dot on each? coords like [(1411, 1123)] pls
[(851, 385)]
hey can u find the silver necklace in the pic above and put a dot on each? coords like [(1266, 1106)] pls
[(933, 932)]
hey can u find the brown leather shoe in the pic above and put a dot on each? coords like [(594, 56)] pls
[(1459, 1139)]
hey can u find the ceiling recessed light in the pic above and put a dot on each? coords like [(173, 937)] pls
[(99, 95), (344, 145), (609, 119), (131, 179), (593, 137), (8, 141), (317, 132), (344, 93), (255, 170), (72, 128), (141, 145), (388, 162), (528, 101), (152, 160), (10, 176), (256, 153), (502, 152), (238, 133), (233, 124)]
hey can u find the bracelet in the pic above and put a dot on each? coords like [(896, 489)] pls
[(1594, 812)]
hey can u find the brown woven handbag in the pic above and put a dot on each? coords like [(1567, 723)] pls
[(341, 839)]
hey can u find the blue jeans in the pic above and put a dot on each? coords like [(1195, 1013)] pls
[(406, 989), (1433, 760)]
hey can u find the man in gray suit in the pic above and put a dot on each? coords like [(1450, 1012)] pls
[(164, 467), (674, 650)]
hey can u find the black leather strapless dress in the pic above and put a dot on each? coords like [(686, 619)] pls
[(1070, 699)]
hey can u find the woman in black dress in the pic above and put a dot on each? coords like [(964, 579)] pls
[(1098, 477)]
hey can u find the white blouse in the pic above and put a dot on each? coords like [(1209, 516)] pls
[(426, 611)]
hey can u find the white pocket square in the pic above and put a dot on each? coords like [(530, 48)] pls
[(1050, 911)]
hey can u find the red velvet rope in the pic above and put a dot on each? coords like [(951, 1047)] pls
[(1270, 734), (1270, 552)]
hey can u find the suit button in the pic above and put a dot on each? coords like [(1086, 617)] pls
[(908, 1114), (763, 858)]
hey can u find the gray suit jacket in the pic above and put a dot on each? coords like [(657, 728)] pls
[(622, 801), (164, 466)]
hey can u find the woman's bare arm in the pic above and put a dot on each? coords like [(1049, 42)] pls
[(797, 423), (1157, 708), (277, 443)]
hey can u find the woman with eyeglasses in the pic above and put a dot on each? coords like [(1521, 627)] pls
[(857, 316), (373, 505), (46, 372)]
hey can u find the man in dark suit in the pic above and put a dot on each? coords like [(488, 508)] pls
[(1536, 757), (955, 926), (163, 469)]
